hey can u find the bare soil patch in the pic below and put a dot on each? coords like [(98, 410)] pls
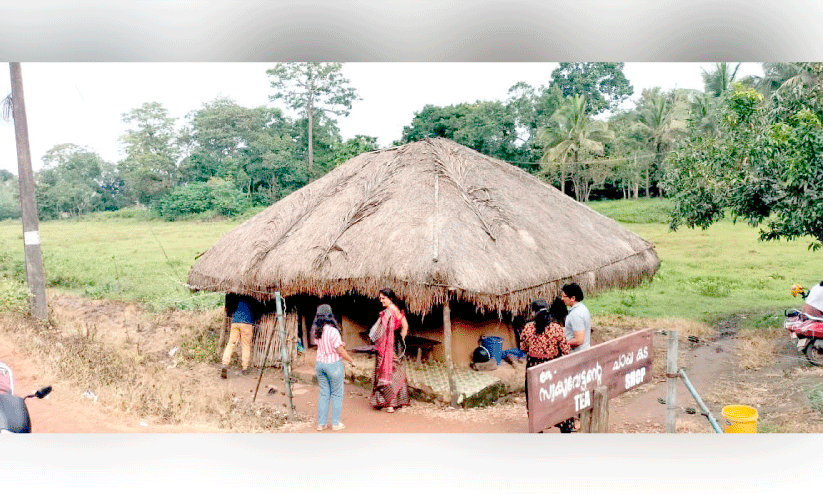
[(181, 394)]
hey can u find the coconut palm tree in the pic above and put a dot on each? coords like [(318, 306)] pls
[(720, 79), (702, 113), (570, 136), (778, 75), (662, 118)]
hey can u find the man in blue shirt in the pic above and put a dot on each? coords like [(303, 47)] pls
[(242, 330), (579, 320)]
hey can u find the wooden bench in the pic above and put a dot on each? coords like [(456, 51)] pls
[(418, 343)]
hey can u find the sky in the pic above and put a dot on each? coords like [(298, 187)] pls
[(83, 103)]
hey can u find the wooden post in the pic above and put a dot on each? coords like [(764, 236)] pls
[(671, 384), (35, 273), (596, 418), (224, 331), (301, 330), (447, 346), (284, 350)]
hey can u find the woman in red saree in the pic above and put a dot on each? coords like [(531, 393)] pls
[(390, 390)]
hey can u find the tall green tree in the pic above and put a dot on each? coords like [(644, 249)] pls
[(488, 127), (776, 74), (312, 88), (531, 108), (9, 196), (662, 117), (766, 168), (152, 151), (252, 148), (628, 151), (799, 89), (355, 146), (602, 84), (572, 140), (703, 113), (69, 183)]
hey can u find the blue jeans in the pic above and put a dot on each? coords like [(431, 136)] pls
[(330, 378)]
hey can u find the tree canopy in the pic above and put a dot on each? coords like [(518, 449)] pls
[(748, 148), (766, 166), (152, 151), (602, 84), (312, 88)]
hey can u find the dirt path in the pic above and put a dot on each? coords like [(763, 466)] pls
[(359, 416), (65, 409), (779, 391)]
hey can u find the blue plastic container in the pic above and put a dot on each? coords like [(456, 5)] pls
[(494, 344), (518, 354)]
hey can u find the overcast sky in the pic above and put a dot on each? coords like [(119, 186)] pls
[(83, 103)]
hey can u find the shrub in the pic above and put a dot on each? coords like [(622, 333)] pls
[(184, 201), (216, 196), (13, 296)]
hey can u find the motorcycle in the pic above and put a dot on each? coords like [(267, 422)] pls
[(14, 416), (806, 330)]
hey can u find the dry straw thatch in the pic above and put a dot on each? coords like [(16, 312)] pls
[(432, 220)]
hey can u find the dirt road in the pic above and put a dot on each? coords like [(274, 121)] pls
[(780, 390)]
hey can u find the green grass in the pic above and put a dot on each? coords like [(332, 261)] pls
[(704, 275), (815, 398), (121, 258), (709, 274), (653, 211)]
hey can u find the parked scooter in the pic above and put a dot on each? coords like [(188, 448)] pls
[(806, 329), (14, 416)]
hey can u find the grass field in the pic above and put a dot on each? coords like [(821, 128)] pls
[(117, 258), (704, 275), (709, 274)]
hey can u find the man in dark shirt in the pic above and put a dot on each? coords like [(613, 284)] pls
[(242, 330)]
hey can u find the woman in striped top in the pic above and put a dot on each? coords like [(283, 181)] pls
[(329, 367)]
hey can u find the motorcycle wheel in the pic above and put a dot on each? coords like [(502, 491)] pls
[(814, 352)]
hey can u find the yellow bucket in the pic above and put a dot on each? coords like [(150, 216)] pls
[(740, 418)]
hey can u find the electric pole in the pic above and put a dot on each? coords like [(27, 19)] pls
[(35, 273)]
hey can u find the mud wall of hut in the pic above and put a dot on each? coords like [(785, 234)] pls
[(356, 315), (465, 337)]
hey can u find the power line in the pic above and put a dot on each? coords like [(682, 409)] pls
[(591, 161)]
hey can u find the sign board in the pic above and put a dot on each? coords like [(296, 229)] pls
[(563, 387)]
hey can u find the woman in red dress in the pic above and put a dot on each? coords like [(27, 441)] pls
[(390, 390)]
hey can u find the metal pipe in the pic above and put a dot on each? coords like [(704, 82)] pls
[(702, 405), (671, 384)]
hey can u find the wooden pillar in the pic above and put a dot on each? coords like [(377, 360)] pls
[(301, 330), (447, 346), (596, 418), (224, 331)]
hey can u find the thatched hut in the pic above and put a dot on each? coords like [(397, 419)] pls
[(466, 240)]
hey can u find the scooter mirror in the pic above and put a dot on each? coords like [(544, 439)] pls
[(43, 392)]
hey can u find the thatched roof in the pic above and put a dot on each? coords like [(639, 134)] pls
[(432, 220)]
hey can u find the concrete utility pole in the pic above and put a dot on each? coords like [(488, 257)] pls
[(35, 273)]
